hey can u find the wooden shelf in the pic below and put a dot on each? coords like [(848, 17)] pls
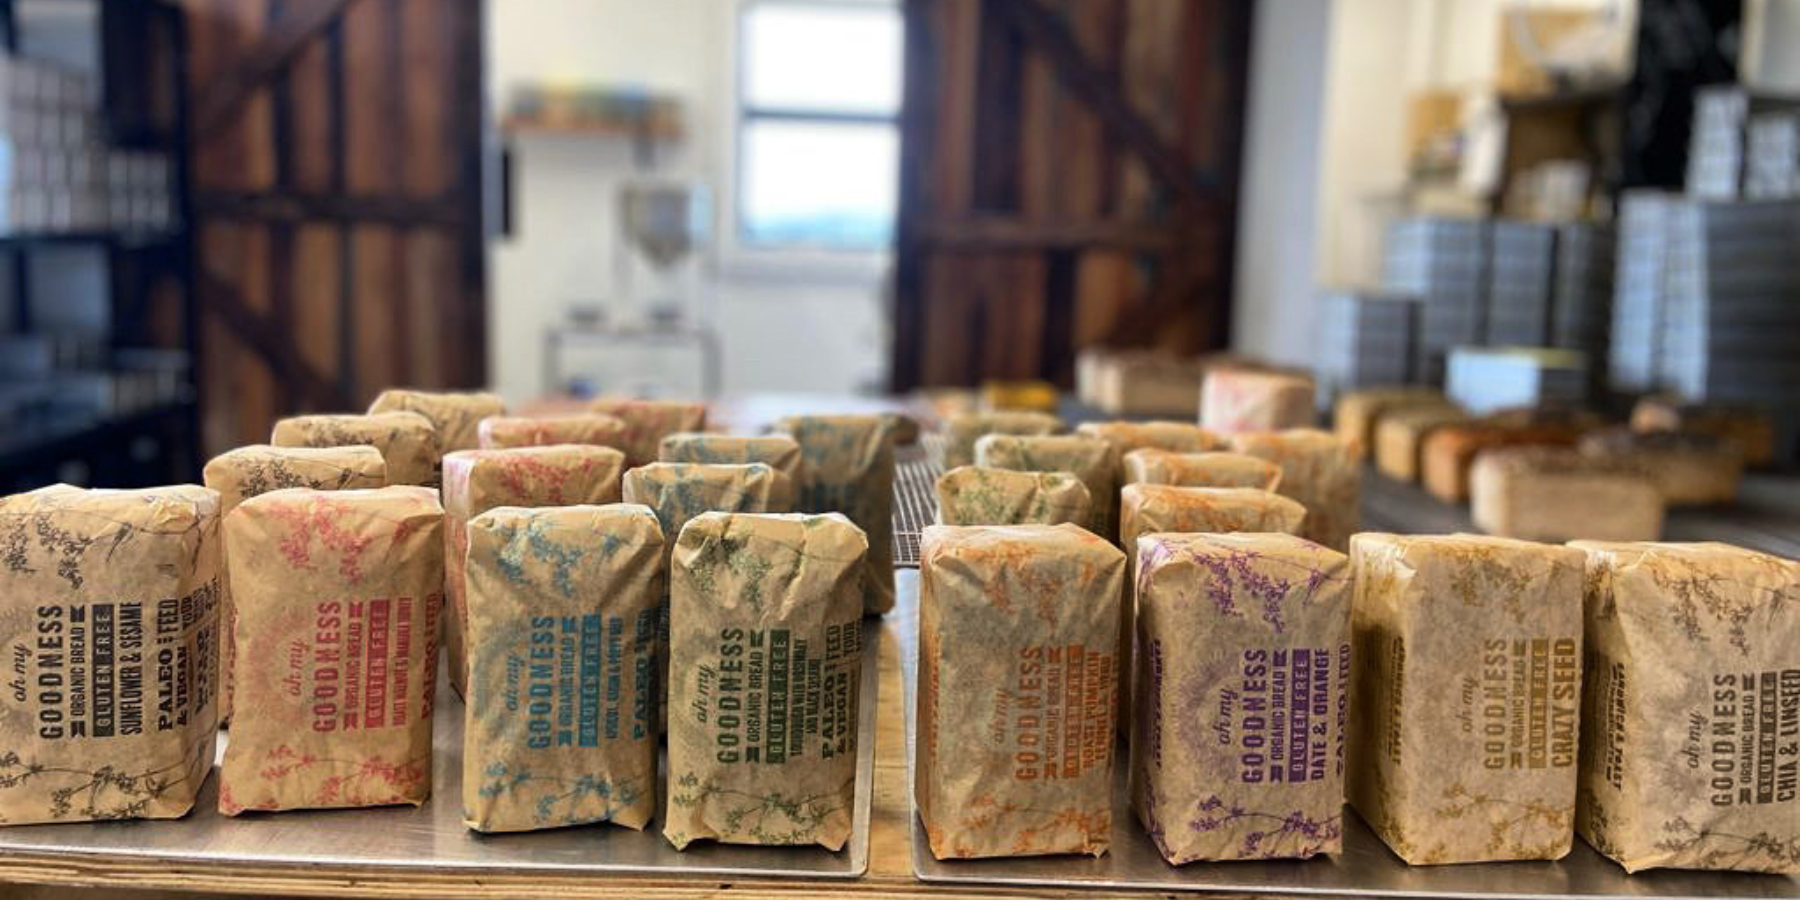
[(627, 129)]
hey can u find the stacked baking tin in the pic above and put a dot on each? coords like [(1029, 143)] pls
[(1519, 284), (1442, 261), (1365, 340)]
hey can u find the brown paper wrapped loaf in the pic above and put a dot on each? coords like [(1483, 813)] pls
[(973, 495), (562, 604), (1089, 459), (595, 429), (1466, 702), (258, 469), (1242, 679), (962, 430), (1126, 437), (1400, 434), (1558, 494), (764, 709), (850, 469), (1690, 741), (1356, 413), (777, 451), (647, 422), (1689, 469), (676, 493), (456, 416), (1017, 683), (476, 481), (1236, 401), (338, 595), (408, 441), (1226, 470), (1448, 452), (1140, 382), (1319, 470), (109, 625)]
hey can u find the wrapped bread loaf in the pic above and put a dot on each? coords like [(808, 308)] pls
[(1319, 470), (1400, 434), (676, 493), (1690, 730), (1751, 431), (1235, 401), (109, 625), (1449, 451), (1089, 459), (962, 430), (1226, 470), (647, 422), (408, 441), (1242, 680), (764, 709), (1689, 469), (777, 451), (1466, 695), (1558, 494), (1356, 412), (456, 416), (476, 481), (849, 468), (559, 725), (1175, 437), (1139, 382), (258, 469), (338, 595), (595, 429), (973, 495), (1017, 683)]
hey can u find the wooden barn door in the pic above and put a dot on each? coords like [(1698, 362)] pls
[(336, 166), (1068, 177)]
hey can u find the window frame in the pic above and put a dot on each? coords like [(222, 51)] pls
[(860, 260)]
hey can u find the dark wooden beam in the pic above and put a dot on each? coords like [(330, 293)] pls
[(261, 62), (276, 347), (1088, 82), (1005, 233), (916, 136), (296, 206)]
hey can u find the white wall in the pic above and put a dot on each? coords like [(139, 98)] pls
[(787, 325), (1277, 274)]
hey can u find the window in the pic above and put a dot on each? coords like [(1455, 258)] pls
[(818, 128)]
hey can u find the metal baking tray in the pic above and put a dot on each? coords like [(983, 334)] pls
[(432, 837), (1365, 869)]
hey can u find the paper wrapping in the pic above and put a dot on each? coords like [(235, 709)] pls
[(1400, 434), (408, 441), (1557, 494), (1242, 674), (96, 589), (338, 594), (777, 451), (1689, 469), (1156, 508), (1014, 620), (1087, 458), (1235, 401), (1448, 452), (1227, 470), (1466, 695), (962, 430), (849, 469), (973, 495), (595, 429), (476, 481), (647, 422), (456, 416), (1690, 746), (1320, 471), (258, 469), (1139, 382), (1355, 413), (676, 493), (764, 710), (562, 604), (1750, 431), (1176, 437)]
